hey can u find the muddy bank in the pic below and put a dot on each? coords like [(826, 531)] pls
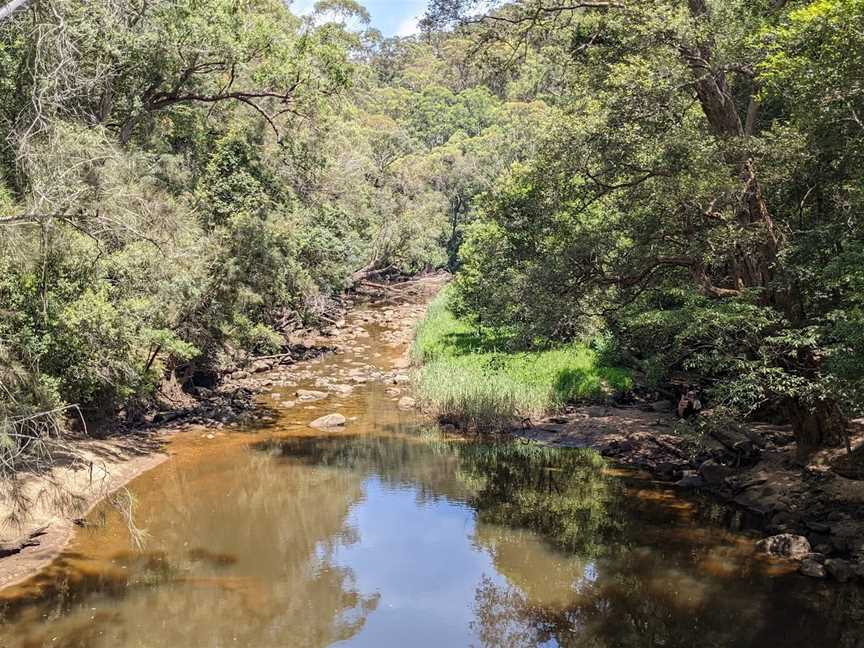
[(56, 502), (809, 512)]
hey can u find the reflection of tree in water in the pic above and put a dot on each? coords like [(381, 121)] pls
[(425, 462), (561, 494), (621, 610), (593, 586), (602, 589), (243, 562)]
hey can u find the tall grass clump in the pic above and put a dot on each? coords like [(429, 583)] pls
[(474, 378)]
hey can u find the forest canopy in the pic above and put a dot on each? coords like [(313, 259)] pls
[(698, 200), (184, 181)]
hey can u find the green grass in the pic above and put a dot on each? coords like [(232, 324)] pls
[(469, 377)]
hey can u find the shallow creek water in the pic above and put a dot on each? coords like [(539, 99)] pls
[(390, 534)]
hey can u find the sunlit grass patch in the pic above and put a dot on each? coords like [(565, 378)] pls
[(470, 377)]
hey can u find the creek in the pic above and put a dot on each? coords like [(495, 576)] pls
[(391, 533)]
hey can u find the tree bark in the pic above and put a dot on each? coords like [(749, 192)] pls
[(818, 426), (11, 7), (750, 268)]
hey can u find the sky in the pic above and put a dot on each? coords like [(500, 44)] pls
[(391, 17)]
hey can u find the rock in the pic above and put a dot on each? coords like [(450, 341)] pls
[(260, 366), (401, 379), (818, 527), (661, 406), (343, 390), (812, 569), (690, 480), (668, 470), (402, 363), (308, 395), (393, 391), (714, 473), (784, 521), (240, 375), (407, 403), (203, 392), (328, 421), (785, 545), (840, 570), (276, 396), (167, 417)]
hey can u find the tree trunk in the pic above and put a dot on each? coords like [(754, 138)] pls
[(818, 426), (751, 268)]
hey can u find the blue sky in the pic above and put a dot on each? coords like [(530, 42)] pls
[(392, 17)]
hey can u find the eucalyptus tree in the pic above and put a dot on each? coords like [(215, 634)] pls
[(664, 202)]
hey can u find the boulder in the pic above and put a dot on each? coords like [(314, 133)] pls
[(308, 395), (260, 366), (328, 421), (714, 473), (661, 406), (812, 569), (785, 545), (840, 570), (407, 403), (690, 480)]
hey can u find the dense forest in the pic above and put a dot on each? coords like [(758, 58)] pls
[(184, 182), (679, 184)]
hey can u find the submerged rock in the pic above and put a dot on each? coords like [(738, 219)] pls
[(309, 395), (785, 545), (329, 421), (713, 472)]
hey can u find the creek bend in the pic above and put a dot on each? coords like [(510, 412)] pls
[(390, 533)]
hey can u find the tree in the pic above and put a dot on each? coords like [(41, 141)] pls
[(667, 174)]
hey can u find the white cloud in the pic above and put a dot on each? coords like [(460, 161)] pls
[(408, 27)]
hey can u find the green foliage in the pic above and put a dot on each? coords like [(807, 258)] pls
[(715, 238), (180, 181), (473, 377)]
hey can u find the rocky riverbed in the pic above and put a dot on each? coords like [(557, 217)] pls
[(54, 502), (808, 512)]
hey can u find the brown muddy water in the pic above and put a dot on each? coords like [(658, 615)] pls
[(390, 534)]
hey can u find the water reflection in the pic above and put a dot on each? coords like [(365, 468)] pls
[(395, 535)]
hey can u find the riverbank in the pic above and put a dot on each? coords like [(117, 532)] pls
[(816, 514), (472, 377), (59, 500), (814, 511)]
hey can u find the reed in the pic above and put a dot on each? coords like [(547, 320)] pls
[(474, 377)]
